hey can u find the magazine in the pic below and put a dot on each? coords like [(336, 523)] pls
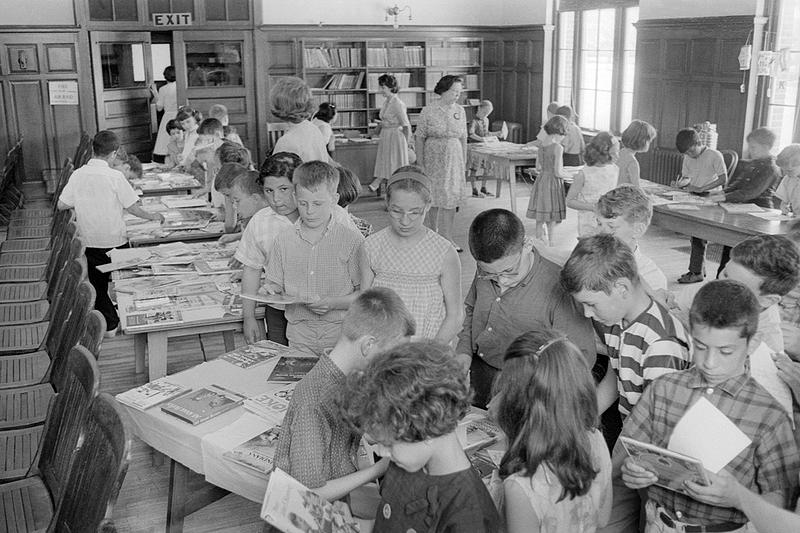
[(273, 299), (186, 219), (203, 404), (178, 202), (271, 406), (740, 208), (257, 453), (160, 317), (151, 394), (292, 508), (214, 266), (477, 431), (254, 354), (672, 469), (292, 369)]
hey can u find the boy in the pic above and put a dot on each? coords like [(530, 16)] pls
[(315, 263), (100, 195), (705, 169), (129, 165), (789, 189), (316, 446), (220, 112), (514, 289), (723, 320), (479, 132), (175, 144)]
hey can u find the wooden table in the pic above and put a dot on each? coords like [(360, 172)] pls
[(147, 232), (499, 161), (156, 182)]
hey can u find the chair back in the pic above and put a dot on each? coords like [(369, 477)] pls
[(66, 419), (84, 150), (275, 131), (62, 305), (93, 332), (75, 316), (731, 159), (70, 248), (97, 472), (63, 178)]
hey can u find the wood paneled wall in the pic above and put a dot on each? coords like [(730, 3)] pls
[(687, 72)]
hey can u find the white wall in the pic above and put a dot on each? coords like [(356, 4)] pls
[(37, 12), (662, 9), (424, 12)]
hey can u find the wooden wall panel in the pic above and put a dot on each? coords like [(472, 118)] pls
[(26, 99)]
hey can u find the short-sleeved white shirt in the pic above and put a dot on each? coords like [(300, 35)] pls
[(305, 140), (704, 168), (789, 192), (258, 237), (99, 194)]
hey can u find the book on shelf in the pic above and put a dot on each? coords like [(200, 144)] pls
[(458, 56), (203, 404), (293, 508), (271, 406), (343, 81), (339, 57), (151, 394), (254, 354), (292, 369), (155, 317), (257, 453)]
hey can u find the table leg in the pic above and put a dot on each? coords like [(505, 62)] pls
[(188, 492), (140, 350), (512, 186), (157, 354)]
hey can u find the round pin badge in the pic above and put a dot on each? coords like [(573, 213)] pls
[(387, 511)]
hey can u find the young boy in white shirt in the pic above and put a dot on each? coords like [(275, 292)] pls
[(100, 196)]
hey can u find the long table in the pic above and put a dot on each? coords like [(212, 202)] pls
[(499, 161), (147, 232), (156, 180)]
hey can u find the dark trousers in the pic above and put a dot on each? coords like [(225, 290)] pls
[(276, 325), (102, 302), (723, 259), (481, 378), (698, 256)]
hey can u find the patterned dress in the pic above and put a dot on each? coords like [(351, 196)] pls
[(548, 203), (392, 146), (597, 181), (442, 129), (414, 274)]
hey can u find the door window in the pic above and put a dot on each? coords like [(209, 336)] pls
[(123, 65), (214, 64)]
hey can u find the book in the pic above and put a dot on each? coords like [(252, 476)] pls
[(156, 317), (203, 404), (740, 208), (254, 354), (477, 431), (293, 508), (151, 394), (186, 219), (672, 469), (257, 453), (292, 369), (207, 267), (173, 202), (271, 406), (272, 299)]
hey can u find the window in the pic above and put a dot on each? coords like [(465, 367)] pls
[(595, 60), (782, 106)]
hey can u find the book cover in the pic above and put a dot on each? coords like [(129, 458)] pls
[(292, 508), (477, 431), (186, 219), (151, 394), (672, 469), (292, 369), (271, 406), (257, 453), (254, 354), (203, 404), (160, 317)]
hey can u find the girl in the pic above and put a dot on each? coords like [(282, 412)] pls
[(408, 400), (175, 144), (597, 178), (290, 101), (349, 190), (635, 139), (547, 204), (415, 261), (323, 119), (573, 138), (479, 132), (189, 119), (395, 133), (557, 470)]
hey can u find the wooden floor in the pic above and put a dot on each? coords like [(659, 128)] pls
[(142, 503)]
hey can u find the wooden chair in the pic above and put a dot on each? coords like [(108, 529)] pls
[(731, 159), (48, 209), (18, 272), (275, 131), (36, 245), (83, 152)]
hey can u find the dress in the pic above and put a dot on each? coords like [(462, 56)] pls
[(168, 101), (414, 274), (442, 131), (597, 181), (548, 203), (392, 145)]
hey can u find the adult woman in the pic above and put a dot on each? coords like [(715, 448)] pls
[(166, 101), (395, 132), (290, 101), (441, 141)]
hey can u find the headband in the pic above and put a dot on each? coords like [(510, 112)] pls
[(419, 177)]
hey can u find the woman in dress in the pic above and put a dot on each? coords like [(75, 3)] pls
[(166, 101), (395, 133), (441, 141)]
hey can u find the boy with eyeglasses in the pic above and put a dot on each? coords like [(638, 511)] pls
[(514, 291)]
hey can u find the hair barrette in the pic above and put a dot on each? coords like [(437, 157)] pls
[(546, 345)]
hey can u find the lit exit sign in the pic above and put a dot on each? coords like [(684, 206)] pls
[(172, 19)]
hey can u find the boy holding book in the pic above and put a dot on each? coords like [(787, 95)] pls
[(316, 446)]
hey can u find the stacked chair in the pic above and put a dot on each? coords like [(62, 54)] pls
[(10, 194), (63, 446)]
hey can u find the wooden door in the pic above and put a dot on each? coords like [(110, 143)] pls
[(122, 76), (217, 68)]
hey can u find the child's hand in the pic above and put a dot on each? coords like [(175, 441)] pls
[(320, 306), (381, 467), (722, 492), (234, 264), (271, 288), (635, 476)]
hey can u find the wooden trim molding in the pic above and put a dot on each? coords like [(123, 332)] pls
[(713, 24)]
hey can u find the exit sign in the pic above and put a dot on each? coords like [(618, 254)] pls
[(172, 19)]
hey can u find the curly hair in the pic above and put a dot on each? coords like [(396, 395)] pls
[(185, 112), (410, 393), (556, 126), (628, 202), (290, 100), (638, 134), (445, 82), (388, 81), (231, 152), (598, 150)]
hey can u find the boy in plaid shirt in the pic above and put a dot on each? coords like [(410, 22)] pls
[(723, 320)]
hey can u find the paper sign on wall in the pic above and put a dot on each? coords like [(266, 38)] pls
[(63, 92)]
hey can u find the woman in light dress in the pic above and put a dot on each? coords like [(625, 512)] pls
[(166, 101), (395, 136)]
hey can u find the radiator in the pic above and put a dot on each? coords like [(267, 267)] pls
[(664, 166)]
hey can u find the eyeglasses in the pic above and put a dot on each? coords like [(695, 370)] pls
[(508, 272), (399, 214)]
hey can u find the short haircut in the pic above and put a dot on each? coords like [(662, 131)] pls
[(231, 152), (226, 174), (315, 174), (247, 182), (326, 112), (557, 125), (485, 104), (218, 111), (169, 73), (210, 126), (290, 100), (789, 157), (173, 124), (409, 185), (628, 202), (188, 112), (596, 263), (725, 304), (349, 186), (282, 165), (388, 81), (380, 313), (495, 233), (135, 165), (773, 258), (638, 134), (686, 138), (445, 82), (763, 136), (598, 149), (552, 107), (410, 393), (104, 143), (566, 112)]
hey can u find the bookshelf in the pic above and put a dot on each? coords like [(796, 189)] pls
[(345, 72)]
